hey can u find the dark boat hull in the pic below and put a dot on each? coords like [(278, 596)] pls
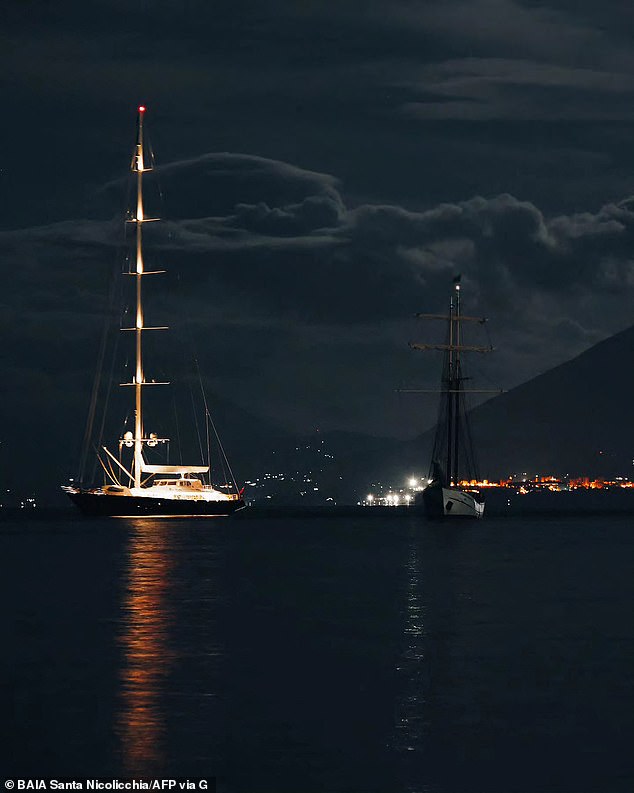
[(109, 506)]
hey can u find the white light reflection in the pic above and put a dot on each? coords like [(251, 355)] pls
[(411, 727)]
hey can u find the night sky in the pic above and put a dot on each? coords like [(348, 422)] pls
[(327, 168)]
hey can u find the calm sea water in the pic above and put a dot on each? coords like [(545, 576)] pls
[(322, 654)]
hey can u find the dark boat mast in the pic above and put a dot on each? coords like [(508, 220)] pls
[(452, 450)]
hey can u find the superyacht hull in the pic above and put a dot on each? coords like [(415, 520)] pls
[(103, 505), (449, 502)]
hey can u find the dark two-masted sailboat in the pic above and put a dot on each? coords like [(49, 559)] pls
[(449, 492)]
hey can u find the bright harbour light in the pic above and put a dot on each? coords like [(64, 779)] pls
[(413, 482), (370, 497)]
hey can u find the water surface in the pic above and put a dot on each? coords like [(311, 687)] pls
[(322, 654)]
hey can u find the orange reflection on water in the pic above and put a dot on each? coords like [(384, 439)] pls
[(146, 616)]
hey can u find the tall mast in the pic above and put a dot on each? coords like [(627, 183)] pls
[(457, 385), (139, 166), (138, 380), (450, 390), (451, 424)]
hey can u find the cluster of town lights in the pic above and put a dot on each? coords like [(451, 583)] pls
[(389, 500), (526, 485), (395, 498), (522, 485)]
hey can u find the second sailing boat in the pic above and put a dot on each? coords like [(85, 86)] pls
[(453, 466), (133, 487)]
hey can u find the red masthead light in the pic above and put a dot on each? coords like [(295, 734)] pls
[(141, 108)]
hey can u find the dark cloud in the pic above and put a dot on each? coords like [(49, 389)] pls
[(409, 104), (228, 183), (519, 90), (490, 137), (300, 222), (299, 272)]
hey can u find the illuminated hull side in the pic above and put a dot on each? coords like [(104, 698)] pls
[(98, 504), (449, 502)]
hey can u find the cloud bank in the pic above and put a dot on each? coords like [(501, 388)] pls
[(271, 260)]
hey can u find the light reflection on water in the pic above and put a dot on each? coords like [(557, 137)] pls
[(147, 613), (170, 714), (423, 667), (411, 724)]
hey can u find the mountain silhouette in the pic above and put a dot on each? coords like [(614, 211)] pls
[(574, 419)]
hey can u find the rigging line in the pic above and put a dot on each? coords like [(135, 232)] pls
[(112, 472), (115, 296), (224, 460), (194, 411), (117, 462), (204, 398), (101, 362), (103, 465), (178, 430), (224, 465), (223, 456), (108, 390), (191, 345), (481, 372), (90, 420), (106, 472), (469, 442), (208, 418), (157, 179), (208, 446), (488, 335), (158, 188), (202, 391), (222, 450)]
